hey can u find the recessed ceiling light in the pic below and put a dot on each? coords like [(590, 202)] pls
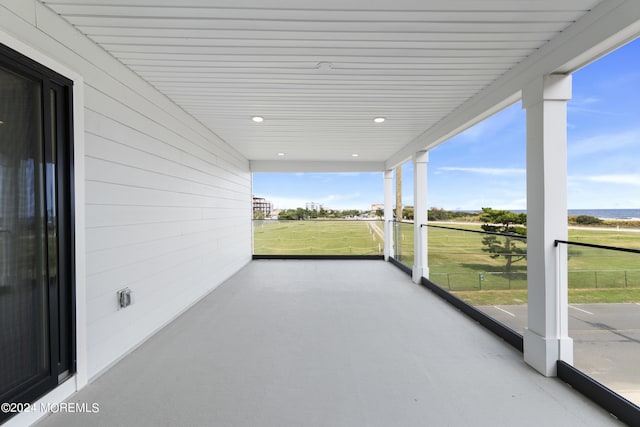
[(280, 154), (354, 155), (1, 122), (379, 119), (324, 67), (257, 119)]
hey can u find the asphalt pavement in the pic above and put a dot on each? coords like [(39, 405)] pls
[(606, 341)]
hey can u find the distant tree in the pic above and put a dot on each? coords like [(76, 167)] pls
[(407, 212), (322, 213), (258, 215), (437, 214), (350, 212), (333, 214), (288, 214), (512, 249), (301, 213), (379, 213)]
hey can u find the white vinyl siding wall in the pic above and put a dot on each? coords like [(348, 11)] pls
[(168, 204)]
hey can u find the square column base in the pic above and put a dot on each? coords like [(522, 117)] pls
[(388, 254), (542, 353), (417, 273)]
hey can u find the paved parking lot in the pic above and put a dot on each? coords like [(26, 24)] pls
[(606, 340)]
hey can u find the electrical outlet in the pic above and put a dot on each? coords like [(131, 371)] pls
[(125, 298)]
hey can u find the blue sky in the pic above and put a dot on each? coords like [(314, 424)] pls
[(485, 165)]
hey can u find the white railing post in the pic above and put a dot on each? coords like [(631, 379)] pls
[(388, 214), (565, 352), (420, 211)]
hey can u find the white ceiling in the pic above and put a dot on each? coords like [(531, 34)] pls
[(411, 61)]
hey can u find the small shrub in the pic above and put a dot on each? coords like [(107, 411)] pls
[(587, 220)]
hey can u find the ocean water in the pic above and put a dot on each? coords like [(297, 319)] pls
[(608, 213), (603, 213)]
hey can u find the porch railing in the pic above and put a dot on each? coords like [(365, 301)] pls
[(318, 238), (604, 318), (403, 242), (485, 275)]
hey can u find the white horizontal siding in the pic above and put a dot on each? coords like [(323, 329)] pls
[(168, 202)]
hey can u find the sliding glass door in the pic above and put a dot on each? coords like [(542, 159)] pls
[(36, 289)]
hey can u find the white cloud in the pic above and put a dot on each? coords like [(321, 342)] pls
[(494, 124), (603, 191), (583, 101), (331, 201), (588, 100), (484, 171), (578, 109), (626, 179), (339, 197), (604, 142), (286, 202), (475, 132), (471, 204), (618, 80)]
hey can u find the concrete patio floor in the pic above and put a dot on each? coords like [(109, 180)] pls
[(326, 343)]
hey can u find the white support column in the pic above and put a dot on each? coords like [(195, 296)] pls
[(546, 337), (420, 210), (388, 214)]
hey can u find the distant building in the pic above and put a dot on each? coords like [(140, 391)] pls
[(274, 214), (262, 205), (313, 206), (376, 206)]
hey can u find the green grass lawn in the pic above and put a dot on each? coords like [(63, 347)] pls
[(458, 263), (403, 238), (322, 237), (458, 259)]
